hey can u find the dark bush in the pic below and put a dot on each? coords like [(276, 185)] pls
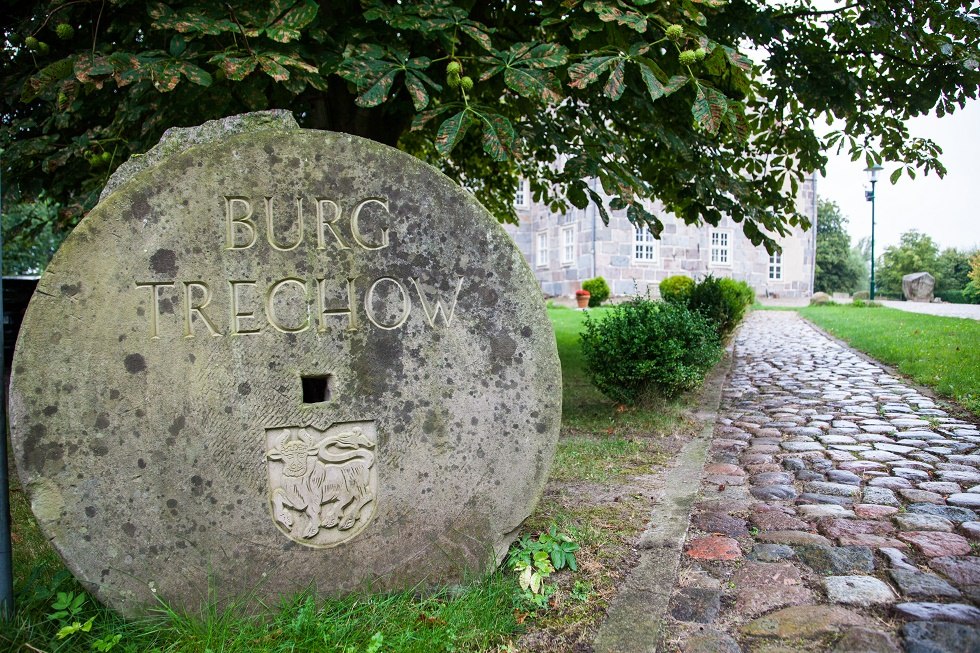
[(954, 296), (598, 290), (646, 345), (677, 289), (721, 301)]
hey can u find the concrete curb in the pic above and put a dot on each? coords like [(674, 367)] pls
[(634, 621)]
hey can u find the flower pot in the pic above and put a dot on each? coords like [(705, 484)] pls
[(582, 298)]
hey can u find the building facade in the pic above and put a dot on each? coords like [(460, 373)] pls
[(566, 249)]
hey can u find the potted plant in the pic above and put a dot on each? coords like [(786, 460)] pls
[(582, 298)]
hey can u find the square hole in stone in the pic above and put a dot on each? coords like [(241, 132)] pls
[(316, 388)]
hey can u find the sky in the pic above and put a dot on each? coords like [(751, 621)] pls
[(946, 209)]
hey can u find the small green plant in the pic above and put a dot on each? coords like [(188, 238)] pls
[(722, 301), (582, 591), (677, 289), (644, 345), (598, 291), (535, 559)]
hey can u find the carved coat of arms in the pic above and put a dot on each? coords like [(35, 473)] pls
[(322, 484)]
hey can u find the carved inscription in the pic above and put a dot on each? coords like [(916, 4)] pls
[(241, 307), (322, 484)]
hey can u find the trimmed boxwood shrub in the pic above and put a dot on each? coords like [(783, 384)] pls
[(721, 301), (677, 289), (598, 289), (646, 345)]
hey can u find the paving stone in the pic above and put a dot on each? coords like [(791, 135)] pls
[(881, 496), (710, 641), (940, 637), (793, 537), (922, 496), (811, 497), (943, 487), (891, 482), (807, 475), (821, 510), (696, 604), (802, 446), (793, 464), (762, 586), (764, 552), (771, 478), (896, 558), (862, 466), (843, 476), (914, 584), (936, 543), (911, 521), (971, 529), (911, 473), (774, 492), (835, 528), (962, 477), (714, 547), (928, 611), (836, 559), (894, 448), (866, 640), (952, 513), (774, 520), (858, 590), (873, 511), (805, 622), (832, 489), (719, 522), (964, 499), (963, 570), (874, 541)]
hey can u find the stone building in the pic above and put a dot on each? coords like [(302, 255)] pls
[(566, 249)]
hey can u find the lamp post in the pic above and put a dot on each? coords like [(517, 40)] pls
[(870, 196)]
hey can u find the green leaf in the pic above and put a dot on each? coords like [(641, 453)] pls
[(416, 89), (273, 68), (477, 34), (451, 132), (586, 72), (616, 84), (287, 28), (654, 87), (177, 45), (540, 55), (421, 119), (165, 76), (236, 68), (676, 83), (195, 74), (895, 176), (498, 136), (709, 108), (378, 91), (533, 84)]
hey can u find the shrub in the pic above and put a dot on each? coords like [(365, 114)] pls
[(599, 290), (645, 345), (954, 296), (677, 289), (861, 294), (722, 302)]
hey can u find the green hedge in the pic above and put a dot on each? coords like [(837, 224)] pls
[(722, 301), (646, 345), (677, 289)]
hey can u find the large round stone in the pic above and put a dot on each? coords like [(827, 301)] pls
[(283, 358)]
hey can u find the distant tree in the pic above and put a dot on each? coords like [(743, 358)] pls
[(952, 269), (916, 252), (837, 270), (29, 236), (972, 289), (656, 100)]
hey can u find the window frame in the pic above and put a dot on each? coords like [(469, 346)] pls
[(727, 248), (568, 247), (541, 253), (647, 242), (776, 267), (522, 197)]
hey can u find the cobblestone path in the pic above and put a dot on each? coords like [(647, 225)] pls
[(838, 509)]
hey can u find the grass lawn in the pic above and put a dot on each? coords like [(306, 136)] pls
[(592, 495), (939, 352)]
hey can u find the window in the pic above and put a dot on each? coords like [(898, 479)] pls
[(568, 244), (721, 251), (776, 266), (542, 257), (522, 198), (644, 245)]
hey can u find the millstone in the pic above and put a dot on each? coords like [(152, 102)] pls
[(280, 358)]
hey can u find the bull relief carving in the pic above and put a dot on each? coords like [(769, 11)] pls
[(322, 484)]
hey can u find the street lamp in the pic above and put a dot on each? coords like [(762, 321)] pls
[(870, 196)]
